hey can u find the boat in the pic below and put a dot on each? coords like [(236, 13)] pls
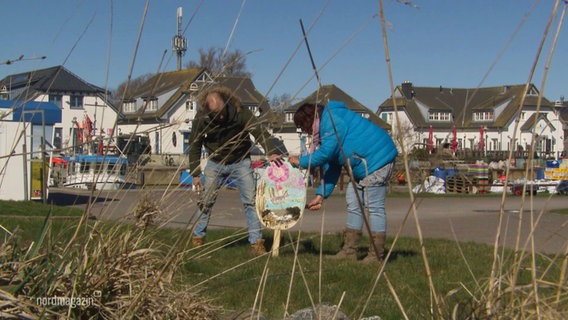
[(98, 172)]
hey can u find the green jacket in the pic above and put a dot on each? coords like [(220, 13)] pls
[(227, 141)]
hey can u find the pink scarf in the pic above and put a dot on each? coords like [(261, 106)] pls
[(315, 132)]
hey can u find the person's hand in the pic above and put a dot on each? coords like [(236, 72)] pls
[(197, 185), (315, 203), (275, 158), (294, 160)]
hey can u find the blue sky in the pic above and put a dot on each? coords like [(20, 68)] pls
[(452, 43)]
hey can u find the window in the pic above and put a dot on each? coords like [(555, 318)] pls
[(483, 116), (190, 104), (439, 116), (151, 105), (4, 94), (129, 106), (253, 108), (76, 102), (387, 116), (289, 117), (56, 99), (58, 138)]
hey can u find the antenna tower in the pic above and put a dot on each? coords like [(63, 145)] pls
[(179, 43)]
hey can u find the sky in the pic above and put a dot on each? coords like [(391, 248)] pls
[(431, 43)]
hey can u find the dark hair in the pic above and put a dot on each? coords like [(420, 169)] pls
[(304, 116)]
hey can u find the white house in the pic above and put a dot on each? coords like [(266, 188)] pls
[(480, 120), (24, 127), (295, 141), (88, 118), (164, 107)]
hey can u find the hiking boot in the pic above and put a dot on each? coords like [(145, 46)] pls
[(197, 241), (378, 239), (257, 249), (350, 246)]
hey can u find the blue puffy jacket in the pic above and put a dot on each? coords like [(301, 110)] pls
[(359, 138)]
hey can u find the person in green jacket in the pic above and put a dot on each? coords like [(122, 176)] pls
[(223, 127)]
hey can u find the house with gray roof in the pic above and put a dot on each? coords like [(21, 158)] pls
[(286, 130), (86, 110), (164, 106), (485, 119)]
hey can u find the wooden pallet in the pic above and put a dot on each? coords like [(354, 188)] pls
[(459, 184)]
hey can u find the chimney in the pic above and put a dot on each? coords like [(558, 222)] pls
[(407, 90)]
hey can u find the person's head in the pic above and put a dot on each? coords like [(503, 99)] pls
[(215, 102), (305, 115), (216, 98)]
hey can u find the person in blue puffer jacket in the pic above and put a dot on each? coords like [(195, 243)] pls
[(342, 138)]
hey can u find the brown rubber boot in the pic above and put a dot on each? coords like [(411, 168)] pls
[(350, 246), (197, 241), (378, 238), (257, 249)]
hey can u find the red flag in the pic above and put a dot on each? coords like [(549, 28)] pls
[(454, 139), (430, 144), (79, 132), (88, 127)]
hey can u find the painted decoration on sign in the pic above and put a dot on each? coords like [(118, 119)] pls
[(280, 195)]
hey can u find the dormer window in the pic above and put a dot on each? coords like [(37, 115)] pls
[(254, 109), (387, 116), (483, 116), (129, 106), (440, 116), (151, 104)]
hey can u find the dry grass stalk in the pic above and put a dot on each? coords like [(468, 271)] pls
[(147, 212), (103, 275)]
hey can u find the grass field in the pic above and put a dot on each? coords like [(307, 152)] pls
[(136, 270)]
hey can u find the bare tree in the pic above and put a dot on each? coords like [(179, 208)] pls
[(280, 102), (233, 63), (403, 136), (125, 89), (230, 64)]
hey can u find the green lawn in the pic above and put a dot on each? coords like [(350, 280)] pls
[(226, 275)]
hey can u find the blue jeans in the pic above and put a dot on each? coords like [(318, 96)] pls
[(216, 174), (373, 197)]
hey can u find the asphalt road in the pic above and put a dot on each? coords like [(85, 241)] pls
[(469, 218)]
